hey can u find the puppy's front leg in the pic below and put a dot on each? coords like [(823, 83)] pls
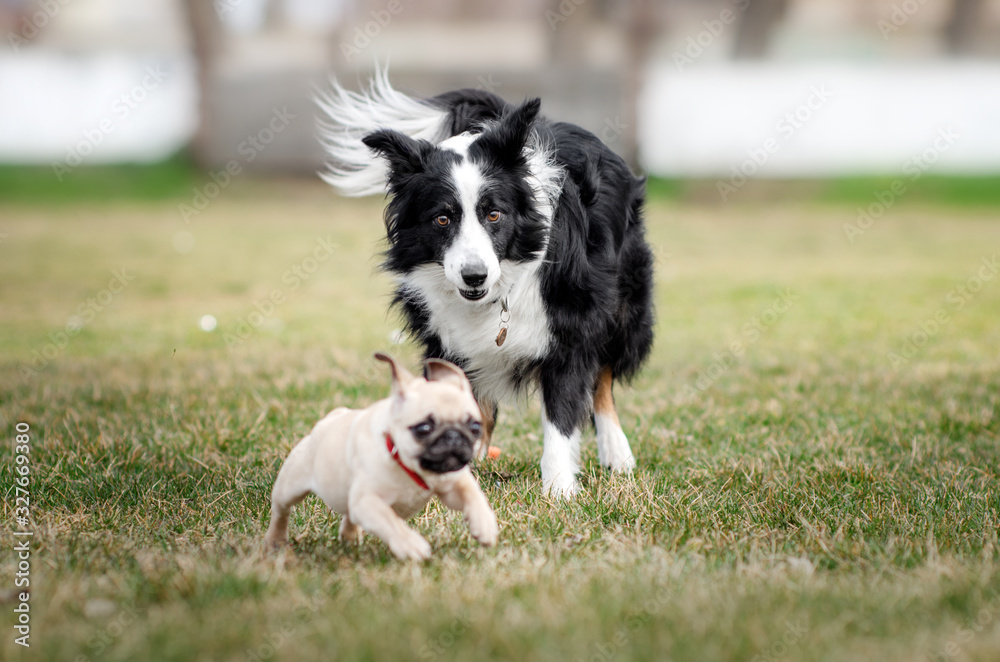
[(374, 515), (467, 497)]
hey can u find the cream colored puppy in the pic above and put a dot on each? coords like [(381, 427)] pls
[(381, 465)]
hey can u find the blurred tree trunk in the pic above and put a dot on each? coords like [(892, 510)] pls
[(274, 17), (643, 22), (756, 26), (960, 31), (206, 35)]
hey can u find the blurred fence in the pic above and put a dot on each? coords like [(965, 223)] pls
[(683, 87)]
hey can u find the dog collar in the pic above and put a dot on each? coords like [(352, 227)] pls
[(394, 454)]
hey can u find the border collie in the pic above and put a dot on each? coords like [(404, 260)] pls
[(518, 249)]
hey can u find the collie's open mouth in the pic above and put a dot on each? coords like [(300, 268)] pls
[(473, 295)]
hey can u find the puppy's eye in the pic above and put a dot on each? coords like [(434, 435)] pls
[(493, 216), (442, 220), (476, 428), (422, 429)]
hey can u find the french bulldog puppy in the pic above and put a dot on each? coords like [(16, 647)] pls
[(381, 465)]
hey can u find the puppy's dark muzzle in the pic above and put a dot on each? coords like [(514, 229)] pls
[(449, 451)]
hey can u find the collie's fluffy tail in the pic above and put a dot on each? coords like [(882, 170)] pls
[(349, 116)]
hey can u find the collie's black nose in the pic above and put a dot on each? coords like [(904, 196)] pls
[(474, 275)]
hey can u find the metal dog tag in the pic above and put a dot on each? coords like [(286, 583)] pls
[(504, 318)]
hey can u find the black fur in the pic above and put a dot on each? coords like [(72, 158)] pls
[(450, 451), (597, 277)]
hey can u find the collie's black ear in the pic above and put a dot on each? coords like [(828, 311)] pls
[(504, 142), (403, 153)]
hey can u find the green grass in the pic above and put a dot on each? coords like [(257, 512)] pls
[(928, 189), (796, 498), (173, 178)]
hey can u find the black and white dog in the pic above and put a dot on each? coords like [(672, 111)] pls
[(519, 251)]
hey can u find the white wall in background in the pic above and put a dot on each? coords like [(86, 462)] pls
[(816, 120), (102, 108)]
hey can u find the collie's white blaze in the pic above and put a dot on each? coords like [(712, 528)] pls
[(613, 449), (472, 248), (469, 328), (460, 143), (560, 459)]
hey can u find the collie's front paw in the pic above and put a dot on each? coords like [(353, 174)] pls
[(561, 486), (613, 450)]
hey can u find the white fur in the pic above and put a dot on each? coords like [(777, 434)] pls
[(545, 177), (355, 171), (473, 246), (613, 450), (349, 116), (560, 460), (470, 328), (460, 143)]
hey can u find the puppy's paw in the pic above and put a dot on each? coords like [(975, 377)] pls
[(562, 486), (350, 533), (411, 547), (483, 527), (276, 536)]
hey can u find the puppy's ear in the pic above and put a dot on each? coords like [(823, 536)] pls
[(404, 154), (401, 377), (436, 370), (505, 141)]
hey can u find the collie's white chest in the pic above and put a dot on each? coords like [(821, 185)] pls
[(469, 329)]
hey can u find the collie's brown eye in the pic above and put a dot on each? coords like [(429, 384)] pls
[(493, 216), (442, 220)]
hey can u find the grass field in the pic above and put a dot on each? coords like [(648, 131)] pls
[(817, 435)]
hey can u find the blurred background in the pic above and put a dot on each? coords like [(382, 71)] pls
[(722, 91)]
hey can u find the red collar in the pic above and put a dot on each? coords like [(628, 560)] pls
[(394, 453)]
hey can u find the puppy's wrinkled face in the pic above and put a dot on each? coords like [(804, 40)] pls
[(442, 426), (435, 420)]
